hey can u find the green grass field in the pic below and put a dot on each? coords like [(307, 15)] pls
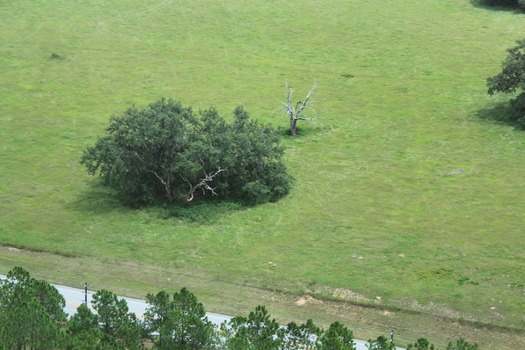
[(409, 193)]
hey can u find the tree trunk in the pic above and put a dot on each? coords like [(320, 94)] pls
[(293, 126), (169, 195)]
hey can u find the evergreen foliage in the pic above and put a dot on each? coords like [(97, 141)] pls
[(84, 331), (381, 343), (424, 344), (337, 337), (461, 344), (31, 317), (302, 336), (31, 313), (255, 332), (120, 328), (179, 323), (421, 344)]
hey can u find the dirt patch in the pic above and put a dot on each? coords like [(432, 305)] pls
[(347, 294), (306, 299), (439, 310)]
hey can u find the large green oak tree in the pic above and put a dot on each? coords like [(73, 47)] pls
[(166, 150)]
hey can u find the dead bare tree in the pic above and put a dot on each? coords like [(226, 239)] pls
[(203, 184), (300, 110)]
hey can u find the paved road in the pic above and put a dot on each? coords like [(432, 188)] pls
[(75, 296)]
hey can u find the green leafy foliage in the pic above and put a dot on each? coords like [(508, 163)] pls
[(381, 343), (31, 317), (302, 336), (421, 344), (165, 150), (461, 344), (84, 331), (179, 322), (255, 332), (424, 344), (512, 79), (120, 329), (31, 313), (138, 154), (337, 337)]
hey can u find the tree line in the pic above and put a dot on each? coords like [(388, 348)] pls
[(32, 317)]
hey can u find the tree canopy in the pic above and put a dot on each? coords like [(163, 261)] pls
[(84, 330), (337, 337), (257, 331), (179, 322), (165, 150), (511, 79), (31, 317), (120, 329), (31, 312)]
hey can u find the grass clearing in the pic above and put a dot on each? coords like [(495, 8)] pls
[(403, 191)]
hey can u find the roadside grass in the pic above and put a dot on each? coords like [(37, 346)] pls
[(367, 322), (408, 186)]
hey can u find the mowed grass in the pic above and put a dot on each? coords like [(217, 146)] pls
[(405, 194)]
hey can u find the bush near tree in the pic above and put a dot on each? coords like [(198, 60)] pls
[(165, 150)]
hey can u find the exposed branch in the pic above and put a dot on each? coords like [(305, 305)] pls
[(298, 112), (202, 185), (158, 177), (166, 183), (304, 104)]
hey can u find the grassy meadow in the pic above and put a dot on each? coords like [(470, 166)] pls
[(409, 191)]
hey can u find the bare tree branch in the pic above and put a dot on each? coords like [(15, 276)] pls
[(203, 184), (166, 183), (158, 177), (303, 104), (298, 112)]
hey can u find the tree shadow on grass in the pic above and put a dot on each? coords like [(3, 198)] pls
[(306, 129), (203, 211), (98, 199), (501, 113), (510, 6)]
